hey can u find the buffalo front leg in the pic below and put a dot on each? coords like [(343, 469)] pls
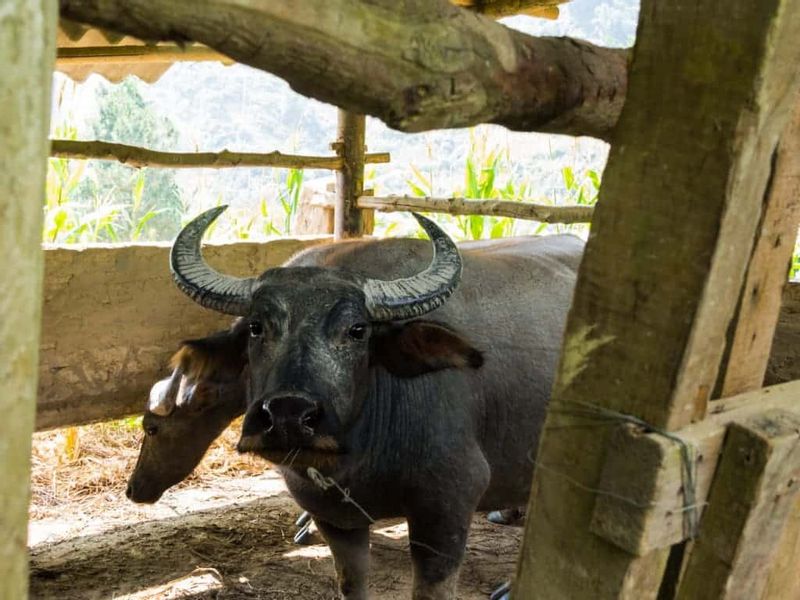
[(350, 549), (438, 542)]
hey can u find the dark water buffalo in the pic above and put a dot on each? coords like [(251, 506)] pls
[(427, 419)]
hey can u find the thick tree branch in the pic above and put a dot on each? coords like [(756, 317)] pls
[(417, 65), (134, 156)]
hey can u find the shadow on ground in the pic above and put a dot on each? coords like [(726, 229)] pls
[(242, 551)]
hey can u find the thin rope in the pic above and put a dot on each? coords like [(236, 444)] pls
[(326, 483)]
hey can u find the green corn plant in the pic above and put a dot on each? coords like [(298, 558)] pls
[(289, 197)]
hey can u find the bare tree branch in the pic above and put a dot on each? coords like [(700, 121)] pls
[(417, 64), (134, 156), (495, 208)]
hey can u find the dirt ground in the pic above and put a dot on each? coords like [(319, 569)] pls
[(232, 540)]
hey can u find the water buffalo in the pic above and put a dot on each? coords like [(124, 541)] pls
[(188, 410), (427, 419)]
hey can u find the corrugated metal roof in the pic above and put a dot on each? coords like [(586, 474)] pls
[(84, 50)]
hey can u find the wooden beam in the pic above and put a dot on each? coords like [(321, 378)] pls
[(784, 361), (663, 268), (27, 45), (547, 9), (754, 489), (760, 300), (349, 145), (783, 582), (112, 317), (135, 156), (137, 54), (642, 504), (417, 65), (469, 206)]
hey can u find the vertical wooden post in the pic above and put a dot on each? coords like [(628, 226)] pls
[(27, 48), (348, 221), (672, 235), (760, 300)]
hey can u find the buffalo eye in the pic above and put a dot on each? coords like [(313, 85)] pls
[(256, 329), (150, 429), (358, 331)]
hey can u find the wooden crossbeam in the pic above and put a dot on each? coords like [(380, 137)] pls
[(754, 489), (103, 55), (672, 235), (641, 506)]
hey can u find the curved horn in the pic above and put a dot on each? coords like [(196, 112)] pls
[(200, 282), (414, 296)]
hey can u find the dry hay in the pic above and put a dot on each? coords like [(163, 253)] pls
[(223, 534), (92, 463)]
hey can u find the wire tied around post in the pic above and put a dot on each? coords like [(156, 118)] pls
[(691, 517)]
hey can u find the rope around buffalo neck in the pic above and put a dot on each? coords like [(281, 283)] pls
[(326, 483)]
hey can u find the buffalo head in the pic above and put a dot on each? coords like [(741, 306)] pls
[(187, 411), (314, 335)]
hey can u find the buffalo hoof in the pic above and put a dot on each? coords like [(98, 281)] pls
[(502, 593), (509, 516), (304, 537), (303, 519)]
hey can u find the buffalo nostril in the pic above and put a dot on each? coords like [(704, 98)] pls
[(311, 418), (293, 414), (266, 417), (129, 491)]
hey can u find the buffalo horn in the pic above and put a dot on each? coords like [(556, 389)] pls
[(414, 296), (204, 285)]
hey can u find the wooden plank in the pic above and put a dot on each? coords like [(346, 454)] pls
[(138, 157), (347, 220), (641, 507), (138, 54), (547, 9), (112, 318), (682, 193), (27, 45), (751, 497), (783, 582), (784, 361), (760, 300)]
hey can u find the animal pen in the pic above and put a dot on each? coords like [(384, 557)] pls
[(666, 469)]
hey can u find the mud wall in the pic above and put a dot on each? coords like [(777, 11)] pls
[(112, 318)]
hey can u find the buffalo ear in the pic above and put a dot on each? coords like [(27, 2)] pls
[(217, 358), (419, 347)]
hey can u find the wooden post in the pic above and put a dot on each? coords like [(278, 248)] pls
[(744, 367), (754, 489), (350, 179), (760, 300), (672, 235), (27, 45)]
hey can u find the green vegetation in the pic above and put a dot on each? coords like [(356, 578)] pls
[(490, 174)]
